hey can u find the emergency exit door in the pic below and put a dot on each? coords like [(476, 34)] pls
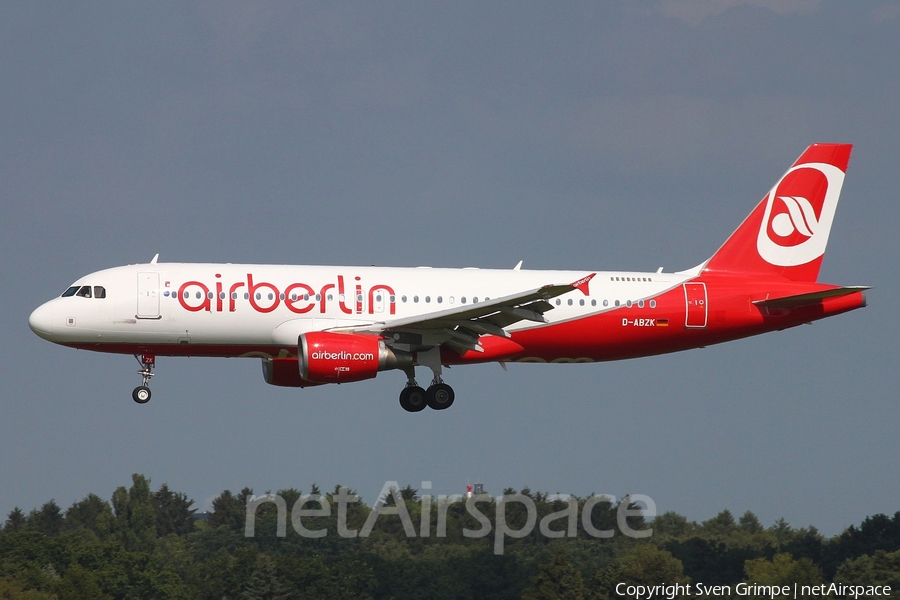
[(696, 306)]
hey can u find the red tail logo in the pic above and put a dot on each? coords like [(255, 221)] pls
[(799, 213), (789, 229)]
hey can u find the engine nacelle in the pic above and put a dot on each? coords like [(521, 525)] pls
[(284, 372), (327, 357)]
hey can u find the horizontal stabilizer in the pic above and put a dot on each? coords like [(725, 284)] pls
[(810, 298)]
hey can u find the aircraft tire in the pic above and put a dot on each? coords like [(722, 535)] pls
[(141, 394), (413, 399), (440, 396)]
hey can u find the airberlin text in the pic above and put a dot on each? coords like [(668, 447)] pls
[(325, 355), (299, 298)]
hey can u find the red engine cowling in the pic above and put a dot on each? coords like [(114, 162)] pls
[(344, 357)]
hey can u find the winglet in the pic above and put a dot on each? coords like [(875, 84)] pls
[(582, 284)]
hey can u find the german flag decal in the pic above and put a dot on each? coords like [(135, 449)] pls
[(662, 322)]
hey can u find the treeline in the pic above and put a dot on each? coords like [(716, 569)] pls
[(146, 544)]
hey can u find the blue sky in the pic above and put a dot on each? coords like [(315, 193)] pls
[(578, 136)]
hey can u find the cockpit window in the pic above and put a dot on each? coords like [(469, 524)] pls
[(84, 292), (70, 292), (99, 291)]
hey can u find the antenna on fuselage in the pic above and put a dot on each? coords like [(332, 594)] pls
[(518, 266), (155, 258)]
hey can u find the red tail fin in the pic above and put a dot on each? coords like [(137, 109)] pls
[(787, 232)]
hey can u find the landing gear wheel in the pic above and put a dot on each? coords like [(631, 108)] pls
[(440, 396), (141, 394), (412, 399)]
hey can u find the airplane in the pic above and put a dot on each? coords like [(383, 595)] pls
[(313, 325)]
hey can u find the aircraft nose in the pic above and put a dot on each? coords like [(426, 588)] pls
[(42, 321)]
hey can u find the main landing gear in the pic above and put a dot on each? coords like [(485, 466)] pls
[(141, 393), (438, 396)]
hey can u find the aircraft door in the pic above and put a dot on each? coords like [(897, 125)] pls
[(148, 296), (696, 309)]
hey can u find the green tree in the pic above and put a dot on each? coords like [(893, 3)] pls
[(15, 520), (556, 579), (648, 564), (881, 568), (230, 510), (290, 496), (708, 560), (878, 532), (749, 523), (79, 584), (48, 520), (782, 570), (671, 524), (173, 512), (93, 513), (135, 514), (722, 523), (265, 583), (10, 589)]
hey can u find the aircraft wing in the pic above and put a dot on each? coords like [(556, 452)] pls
[(460, 328)]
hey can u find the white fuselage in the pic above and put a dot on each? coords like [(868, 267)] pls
[(221, 305)]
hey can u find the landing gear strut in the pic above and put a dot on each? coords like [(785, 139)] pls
[(141, 394)]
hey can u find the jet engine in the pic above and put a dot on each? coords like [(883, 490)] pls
[(284, 372), (326, 357)]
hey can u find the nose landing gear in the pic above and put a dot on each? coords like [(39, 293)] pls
[(141, 394)]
